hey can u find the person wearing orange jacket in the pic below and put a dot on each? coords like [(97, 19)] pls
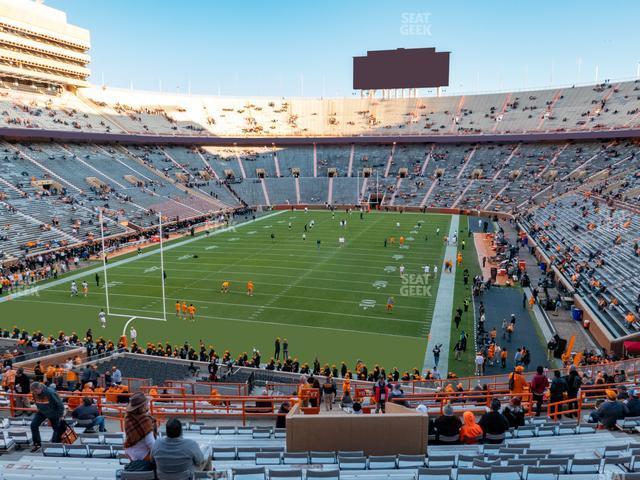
[(517, 383)]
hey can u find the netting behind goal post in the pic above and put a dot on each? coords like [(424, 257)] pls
[(105, 269)]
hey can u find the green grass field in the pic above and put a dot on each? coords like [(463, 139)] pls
[(312, 296)]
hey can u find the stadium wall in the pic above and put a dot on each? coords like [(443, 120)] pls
[(34, 135), (400, 431)]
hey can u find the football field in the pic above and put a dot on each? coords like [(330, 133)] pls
[(328, 300)]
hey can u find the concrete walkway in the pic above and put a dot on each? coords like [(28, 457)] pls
[(441, 323)]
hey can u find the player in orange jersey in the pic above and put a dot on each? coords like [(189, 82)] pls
[(184, 309), (225, 286), (191, 310), (250, 288)]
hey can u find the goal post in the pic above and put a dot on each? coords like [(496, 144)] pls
[(105, 269)]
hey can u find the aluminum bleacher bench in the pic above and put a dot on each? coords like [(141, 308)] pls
[(124, 475), (437, 461), (585, 465), (475, 473), (324, 474), (268, 458), (352, 463), (382, 462), (294, 474), (321, 458), (261, 432), (256, 473), (434, 474), (542, 473), (81, 451), (295, 458), (223, 453), (506, 472), (53, 449)]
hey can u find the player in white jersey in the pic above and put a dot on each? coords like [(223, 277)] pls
[(102, 318), (426, 269), (74, 289), (401, 271), (435, 269), (133, 335)]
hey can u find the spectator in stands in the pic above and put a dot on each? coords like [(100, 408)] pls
[(175, 455), (347, 401), (21, 387), (611, 410), (281, 419), (88, 411), (471, 432), (557, 390), (49, 407), (116, 375), (633, 404), (514, 413), (448, 424), (539, 384), (140, 430), (493, 422), (517, 382), (380, 393), (329, 391), (574, 382)]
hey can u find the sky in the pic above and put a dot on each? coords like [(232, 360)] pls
[(294, 48)]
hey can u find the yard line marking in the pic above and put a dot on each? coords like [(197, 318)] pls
[(302, 310), (242, 320), (257, 294)]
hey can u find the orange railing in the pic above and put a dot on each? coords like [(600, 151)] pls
[(569, 406), (474, 400)]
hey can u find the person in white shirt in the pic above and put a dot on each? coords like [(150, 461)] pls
[(102, 318), (133, 335), (401, 271), (426, 269), (74, 289)]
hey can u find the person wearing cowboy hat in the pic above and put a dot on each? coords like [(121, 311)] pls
[(140, 430)]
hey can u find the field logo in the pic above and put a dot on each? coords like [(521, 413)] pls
[(252, 232), (410, 239), (366, 304), (390, 268), (112, 283), (268, 226), (404, 247), (378, 284), (415, 23), (151, 269), (185, 257), (234, 239), (398, 257), (413, 232), (210, 247), (416, 285)]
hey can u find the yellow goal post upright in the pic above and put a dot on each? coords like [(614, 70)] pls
[(132, 316)]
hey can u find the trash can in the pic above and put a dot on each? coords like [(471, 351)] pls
[(576, 314)]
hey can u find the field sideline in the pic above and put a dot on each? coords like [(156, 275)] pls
[(329, 301)]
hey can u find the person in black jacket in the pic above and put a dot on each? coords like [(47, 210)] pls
[(557, 389), (574, 382), (493, 422), (633, 404), (281, 419), (21, 387), (51, 408), (448, 424)]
